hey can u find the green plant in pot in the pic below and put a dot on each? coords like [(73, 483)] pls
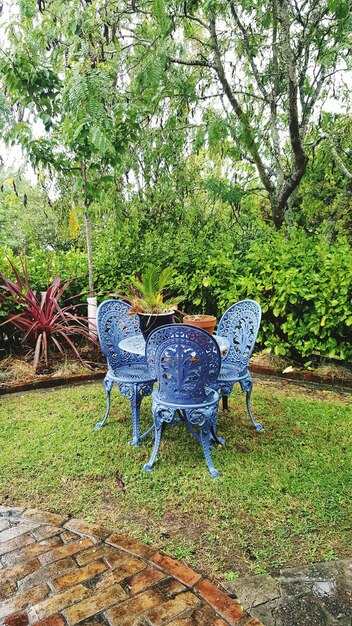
[(149, 301)]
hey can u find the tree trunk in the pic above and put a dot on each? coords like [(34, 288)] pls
[(278, 213), (89, 253), (279, 198)]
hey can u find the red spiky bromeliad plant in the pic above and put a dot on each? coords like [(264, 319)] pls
[(42, 320)]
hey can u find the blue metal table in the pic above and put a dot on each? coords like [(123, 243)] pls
[(136, 344)]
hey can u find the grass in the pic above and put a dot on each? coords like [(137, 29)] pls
[(283, 498)]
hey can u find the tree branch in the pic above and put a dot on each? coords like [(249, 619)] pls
[(344, 169), (241, 115), (273, 101), (249, 52), (309, 104), (191, 17), (294, 126), (194, 63)]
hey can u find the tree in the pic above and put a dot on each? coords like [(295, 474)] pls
[(330, 164), (269, 64), (55, 74), (27, 218), (249, 77)]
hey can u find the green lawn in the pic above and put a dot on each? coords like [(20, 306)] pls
[(284, 496)]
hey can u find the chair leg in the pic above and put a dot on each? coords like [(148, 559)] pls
[(135, 392), (213, 427), (148, 466), (247, 386), (205, 438), (136, 401), (147, 432), (190, 427), (162, 415), (220, 441), (107, 386), (225, 405), (204, 418), (214, 439)]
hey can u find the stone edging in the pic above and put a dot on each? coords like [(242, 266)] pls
[(301, 376), (53, 381), (36, 525)]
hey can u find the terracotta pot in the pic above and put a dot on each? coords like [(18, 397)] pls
[(151, 321), (207, 322)]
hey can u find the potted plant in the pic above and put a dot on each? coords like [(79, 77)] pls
[(149, 301), (207, 322)]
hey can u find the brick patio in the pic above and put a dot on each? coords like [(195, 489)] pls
[(56, 571)]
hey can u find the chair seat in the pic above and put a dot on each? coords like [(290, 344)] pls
[(212, 398), (134, 373), (229, 372)]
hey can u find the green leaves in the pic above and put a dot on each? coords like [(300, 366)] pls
[(217, 132), (85, 98), (159, 12), (227, 192), (305, 287), (147, 293), (27, 8), (100, 141), (32, 83), (341, 8)]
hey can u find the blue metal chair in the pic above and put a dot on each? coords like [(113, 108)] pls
[(185, 361), (240, 324), (129, 371)]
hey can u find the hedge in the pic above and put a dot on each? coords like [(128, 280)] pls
[(302, 281)]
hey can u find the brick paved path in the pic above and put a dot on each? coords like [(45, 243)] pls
[(56, 571)]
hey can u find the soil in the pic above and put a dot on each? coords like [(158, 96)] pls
[(17, 368), (199, 318), (326, 372)]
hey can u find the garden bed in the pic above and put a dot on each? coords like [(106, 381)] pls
[(18, 375), (327, 373)]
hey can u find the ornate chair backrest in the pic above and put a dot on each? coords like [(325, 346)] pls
[(240, 324), (183, 359), (114, 325)]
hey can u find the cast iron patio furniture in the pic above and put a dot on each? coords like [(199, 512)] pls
[(240, 324), (129, 371), (136, 344), (185, 361)]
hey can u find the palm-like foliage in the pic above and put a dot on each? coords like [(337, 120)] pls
[(147, 292), (42, 319)]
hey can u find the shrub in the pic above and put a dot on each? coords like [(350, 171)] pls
[(304, 285), (302, 281), (42, 320), (44, 265)]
